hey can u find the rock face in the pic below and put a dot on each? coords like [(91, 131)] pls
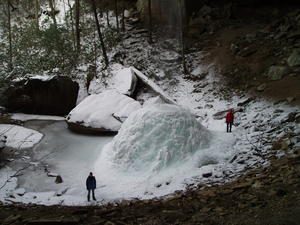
[(53, 96), (100, 113)]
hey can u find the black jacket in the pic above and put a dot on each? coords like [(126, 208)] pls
[(91, 183)]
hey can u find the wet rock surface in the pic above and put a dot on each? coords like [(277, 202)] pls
[(55, 96)]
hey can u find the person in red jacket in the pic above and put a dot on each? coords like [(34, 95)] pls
[(229, 120)]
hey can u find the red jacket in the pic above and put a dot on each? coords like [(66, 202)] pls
[(229, 117)]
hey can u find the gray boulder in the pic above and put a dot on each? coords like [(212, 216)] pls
[(277, 72), (294, 59)]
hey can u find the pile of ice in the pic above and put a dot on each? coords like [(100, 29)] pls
[(19, 137), (105, 111), (155, 144), (156, 137)]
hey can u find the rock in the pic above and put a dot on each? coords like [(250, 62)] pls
[(61, 191), (290, 99), (261, 87), (277, 72), (55, 95), (170, 57), (20, 191), (281, 144), (52, 174), (221, 115), (58, 179), (12, 219), (247, 51), (2, 141), (294, 59), (54, 221), (100, 113), (206, 175), (125, 81), (245, 102)]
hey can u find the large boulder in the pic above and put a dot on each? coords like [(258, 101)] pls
[(99, 113), (56, 95), (294, 59), (125, 81)]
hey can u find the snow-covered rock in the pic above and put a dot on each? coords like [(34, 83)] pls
[(153, 86), (125, 81), (155, 137), (19, 137), (103, 112), (153, 101)]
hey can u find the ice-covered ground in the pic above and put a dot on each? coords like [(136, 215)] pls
[(61, 153), (19, 137)]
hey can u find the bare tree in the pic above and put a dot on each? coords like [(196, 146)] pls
[(150, 21), (72, 24), (77, 28), (107, 18), (36, 12), (182, 29), (123, 15), (116, 12), (53, 12), (10, 64), (99, 33)]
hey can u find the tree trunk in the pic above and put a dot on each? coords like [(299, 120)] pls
[(52, 13), (37, 9), (182, 28), (123, 15), (72, 24), (116, 12), (77, 28), (107, 18), (99, 33), (10, 65), (150, 21)]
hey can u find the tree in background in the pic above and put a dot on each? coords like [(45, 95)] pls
[(116, 12), (53, 12), (77, 28), (123, 16), (150, 21), (10, 64), (99, 32), (182, 28)]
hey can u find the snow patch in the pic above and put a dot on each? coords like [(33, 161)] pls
[(19, 137)]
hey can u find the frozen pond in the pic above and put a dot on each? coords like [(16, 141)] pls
[(62, 152)]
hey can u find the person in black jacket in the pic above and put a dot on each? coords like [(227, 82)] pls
[(91, 186)]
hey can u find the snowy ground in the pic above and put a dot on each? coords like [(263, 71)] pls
[(227, 155), (73, 156)]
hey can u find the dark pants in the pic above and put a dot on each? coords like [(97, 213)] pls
[(229, 126), (89, 193)]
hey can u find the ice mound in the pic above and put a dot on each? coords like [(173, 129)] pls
[(156, 137)]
